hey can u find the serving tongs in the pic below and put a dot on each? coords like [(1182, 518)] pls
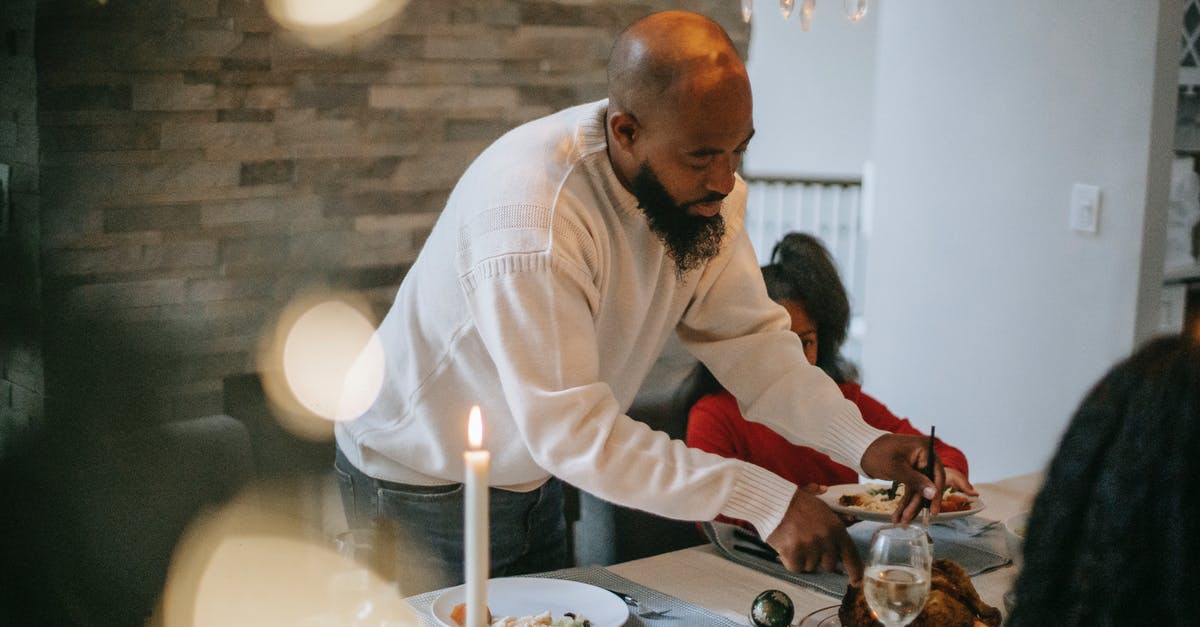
[(925, 503)]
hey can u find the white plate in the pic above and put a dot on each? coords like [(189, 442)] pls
[(527, 596), (835, 491), (824, 617)]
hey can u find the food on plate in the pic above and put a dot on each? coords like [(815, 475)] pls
[(880, 498), (545, 619), (568, 619), (459, 614), (953, 602)]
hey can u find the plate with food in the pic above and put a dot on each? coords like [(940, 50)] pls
[(537, 601), (875, 501)]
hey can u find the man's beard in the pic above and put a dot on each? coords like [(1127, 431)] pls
[(691, 240)]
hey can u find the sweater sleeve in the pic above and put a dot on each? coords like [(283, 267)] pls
[(533, 313), (746, 341), (878, 415)]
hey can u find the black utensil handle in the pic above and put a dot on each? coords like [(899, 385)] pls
[(930, 459), (770, 556)]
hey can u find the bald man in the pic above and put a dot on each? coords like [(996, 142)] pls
[(566, 255)]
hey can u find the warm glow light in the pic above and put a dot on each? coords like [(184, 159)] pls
[(806, 13), (328, 22), (855, 9), (475, 428), (363, 381), (250, 563), (325, 12), (320, 349), (322, 362)]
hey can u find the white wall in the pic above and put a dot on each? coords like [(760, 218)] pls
[(813, 92), (985, 315)]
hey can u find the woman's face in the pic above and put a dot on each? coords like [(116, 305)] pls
[(803, 326)]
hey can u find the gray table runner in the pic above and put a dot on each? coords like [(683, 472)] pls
[(683, 614), (977, 544)]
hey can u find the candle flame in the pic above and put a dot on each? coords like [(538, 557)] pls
[(475, 427)]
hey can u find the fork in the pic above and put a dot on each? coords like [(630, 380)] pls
[(637, 606)]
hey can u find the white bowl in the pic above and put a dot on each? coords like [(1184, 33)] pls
[(1014, 536)]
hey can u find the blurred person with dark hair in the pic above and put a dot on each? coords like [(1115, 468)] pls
[(803, 278), (1114, 534)]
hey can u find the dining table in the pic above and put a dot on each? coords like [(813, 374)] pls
[(702, 585)]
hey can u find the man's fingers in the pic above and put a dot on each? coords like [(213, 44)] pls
[(830, 553), (908, 510), (939, 478), (812, 558), (917, 488), (850, 560)]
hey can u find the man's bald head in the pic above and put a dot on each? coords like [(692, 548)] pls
[(667, 56), (679, 118)]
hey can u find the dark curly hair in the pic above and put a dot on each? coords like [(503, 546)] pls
[(1114, 534), (802, 270)]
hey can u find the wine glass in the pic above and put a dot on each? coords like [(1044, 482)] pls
[(898, 572)]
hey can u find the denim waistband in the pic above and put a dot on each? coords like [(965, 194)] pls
[(343, 464)]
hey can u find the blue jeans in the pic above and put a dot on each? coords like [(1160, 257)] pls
[(424, 527)]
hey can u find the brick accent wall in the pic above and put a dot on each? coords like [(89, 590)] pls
[(21, 380), (201, 166)]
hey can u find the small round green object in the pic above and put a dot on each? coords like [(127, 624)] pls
[(772, 608)]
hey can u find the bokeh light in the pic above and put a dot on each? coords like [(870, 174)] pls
[(325, 22), (319, 350), (326, 13), (249, 564), (323, 363)]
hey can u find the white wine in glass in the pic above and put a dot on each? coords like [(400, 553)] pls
[(896, 585)]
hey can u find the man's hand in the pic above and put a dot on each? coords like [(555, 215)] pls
[(847, 519), (904, 458), (811, 536)]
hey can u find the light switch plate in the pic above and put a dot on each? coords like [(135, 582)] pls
[(1085, 208)]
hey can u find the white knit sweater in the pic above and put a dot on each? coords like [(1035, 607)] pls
[(543, 297)]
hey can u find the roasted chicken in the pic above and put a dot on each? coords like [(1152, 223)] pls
[(953, 602)]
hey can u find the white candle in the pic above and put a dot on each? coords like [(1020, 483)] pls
[(476, 522)]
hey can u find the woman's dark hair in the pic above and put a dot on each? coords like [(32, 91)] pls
[(802, 270), (1114, 534)]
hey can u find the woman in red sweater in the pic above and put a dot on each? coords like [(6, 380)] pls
[(803, 278)]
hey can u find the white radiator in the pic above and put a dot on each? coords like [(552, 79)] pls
[(830, 210)]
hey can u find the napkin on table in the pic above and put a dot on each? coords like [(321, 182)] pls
[(977, 545)]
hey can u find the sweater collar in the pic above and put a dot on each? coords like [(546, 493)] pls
[(594, 141)]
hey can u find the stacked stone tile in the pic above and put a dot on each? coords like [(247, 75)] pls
[(21, 379), (201, 166)]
